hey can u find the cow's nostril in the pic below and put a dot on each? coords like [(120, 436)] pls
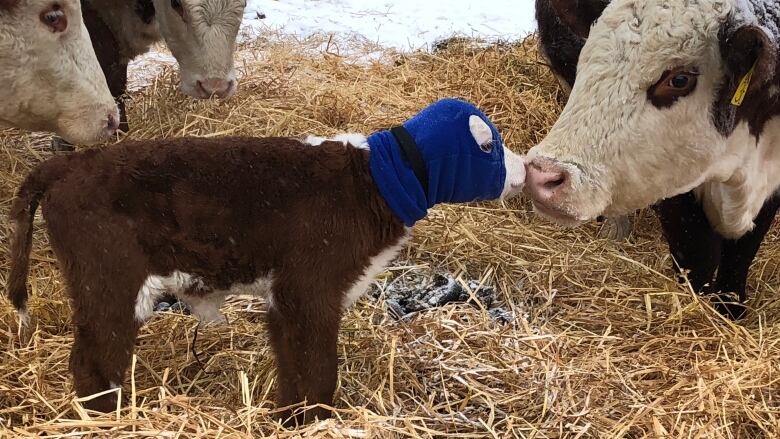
[(202, 89), (215, 87), (547, 181), (552, 184)]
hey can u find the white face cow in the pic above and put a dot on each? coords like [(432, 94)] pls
[(650, 115), (51, 80), (201, 34)]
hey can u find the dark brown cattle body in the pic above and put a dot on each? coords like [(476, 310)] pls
[(114, 53), (227, 212)]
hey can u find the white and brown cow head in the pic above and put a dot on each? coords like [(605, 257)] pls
[(201, 34), (51, 79), (650, 114)]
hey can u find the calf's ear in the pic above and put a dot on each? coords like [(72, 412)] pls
[(579, 15)]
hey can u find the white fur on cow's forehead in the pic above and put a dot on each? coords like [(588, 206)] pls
[(215, 10), (646, 37)]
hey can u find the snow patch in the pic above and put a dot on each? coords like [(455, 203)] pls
[(400, 24)]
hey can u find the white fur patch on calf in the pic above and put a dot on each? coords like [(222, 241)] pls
[(154, 287), (204, 306), (375, 266), (314, 140), (355, 139), (480, 130)]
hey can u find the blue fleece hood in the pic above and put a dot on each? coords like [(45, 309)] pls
[(458, 169)]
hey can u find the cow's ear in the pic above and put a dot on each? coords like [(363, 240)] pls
[(750, 58), (579, 15), (7, 4)]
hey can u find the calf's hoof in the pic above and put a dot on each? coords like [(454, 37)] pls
[(105, 403), (299, 416)]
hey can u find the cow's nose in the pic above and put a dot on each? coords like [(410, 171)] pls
[(544, 183), (216, 87)]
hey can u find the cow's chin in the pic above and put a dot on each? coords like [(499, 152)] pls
[(87, 126), (190, 85), (556, 216)]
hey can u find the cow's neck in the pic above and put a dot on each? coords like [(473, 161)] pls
[(746, 178), (746, 175), (129, 21)]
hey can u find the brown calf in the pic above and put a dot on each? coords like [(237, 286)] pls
[(302, 223)]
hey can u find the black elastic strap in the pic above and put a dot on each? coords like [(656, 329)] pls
[(411, 154)]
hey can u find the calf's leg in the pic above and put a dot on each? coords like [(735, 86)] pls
[(105, 330), (304, 332), (104, 268), (100, 358)]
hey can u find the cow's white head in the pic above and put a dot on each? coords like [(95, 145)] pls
[(201, 34), (650, 115), (51, 79)]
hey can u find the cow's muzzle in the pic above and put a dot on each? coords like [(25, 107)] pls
[(549, 184)]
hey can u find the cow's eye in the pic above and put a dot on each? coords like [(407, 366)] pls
[(176, 5), (673, 85), (54, 17), (680, 81), (487, 146)]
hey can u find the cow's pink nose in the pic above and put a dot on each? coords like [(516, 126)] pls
[(545, 183), (216, 87)]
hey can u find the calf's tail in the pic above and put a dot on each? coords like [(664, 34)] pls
[(21, 227)]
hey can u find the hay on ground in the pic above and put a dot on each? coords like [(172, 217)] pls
[(604, 342)]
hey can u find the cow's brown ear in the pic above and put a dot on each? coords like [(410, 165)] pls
[(748, 50), (750, 67), (8, 4), (579, 15)]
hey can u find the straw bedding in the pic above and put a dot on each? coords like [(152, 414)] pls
[(603, 342)]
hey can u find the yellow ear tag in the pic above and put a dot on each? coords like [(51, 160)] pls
[(742, 89), (383, 275)]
